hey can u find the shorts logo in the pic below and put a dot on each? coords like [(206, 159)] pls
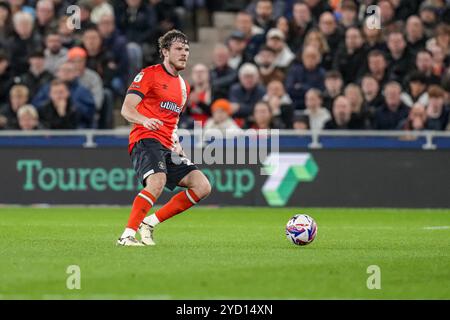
[(161, 165), (139, 77)]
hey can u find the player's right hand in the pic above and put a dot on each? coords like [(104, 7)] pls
[(152, 124)]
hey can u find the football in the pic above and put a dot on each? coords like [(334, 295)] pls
[(301, 229)]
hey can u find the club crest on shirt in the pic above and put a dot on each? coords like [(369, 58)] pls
[(138, 77)]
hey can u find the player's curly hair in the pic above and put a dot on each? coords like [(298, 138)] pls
[(170, 37)]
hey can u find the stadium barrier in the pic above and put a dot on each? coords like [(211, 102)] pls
[(54, 168)]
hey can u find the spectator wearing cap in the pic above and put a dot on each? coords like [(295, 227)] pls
[(393, 110), (28, 118), (137, 21), (342, 116), (329, 28), (280, 103), (37, 75), (18, 96), (221, 119), (415, 33), (350, 58), (222, 76), (400, 56), (6, 27), (236, 44), (275, 40), (55, 53), (22, 42), (299, 25), (59, 112), (247, 92), (113, 41), (317, 114), (416, 90), (437, 111), (88, 78), (45, 17), (305, 75), (334, 86), (265, 60), (6, 78)]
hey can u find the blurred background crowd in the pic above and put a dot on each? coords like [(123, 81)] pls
[(308, 64)]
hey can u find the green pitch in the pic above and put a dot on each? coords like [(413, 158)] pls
[(229, 253)]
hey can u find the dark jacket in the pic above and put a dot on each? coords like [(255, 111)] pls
[(299, 80), (50, 119), (246, 99), (385, 119)]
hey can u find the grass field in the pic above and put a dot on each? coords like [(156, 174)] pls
[(229, 253)]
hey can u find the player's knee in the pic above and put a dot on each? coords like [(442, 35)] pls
[(155, 184), (203, 189)]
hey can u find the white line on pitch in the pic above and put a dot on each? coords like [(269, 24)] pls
[(437, 228)]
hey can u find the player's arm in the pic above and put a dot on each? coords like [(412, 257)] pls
[(130, 113)]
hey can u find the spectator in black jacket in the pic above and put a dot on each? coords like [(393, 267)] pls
[(437, 111), (59, 112), (6, 79), (306, 75), (22, 42), (18, 97), (222, 76), (393, 110), (136, 20), (351, 57), (113, 41), (415, 35), (378, 67), (329, 28), (400, 57), (37, 75), (245, 94), (342, 116)]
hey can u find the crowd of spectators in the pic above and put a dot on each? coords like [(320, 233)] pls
[(304, 64)]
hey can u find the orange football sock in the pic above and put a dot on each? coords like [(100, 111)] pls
[(141, 205), (179, 203)]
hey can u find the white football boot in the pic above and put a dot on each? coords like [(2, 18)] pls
[(129, 242), (146, 232)]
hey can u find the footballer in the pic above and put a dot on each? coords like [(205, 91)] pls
[(153, 105)]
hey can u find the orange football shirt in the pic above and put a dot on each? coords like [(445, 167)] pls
[(164, 98)]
